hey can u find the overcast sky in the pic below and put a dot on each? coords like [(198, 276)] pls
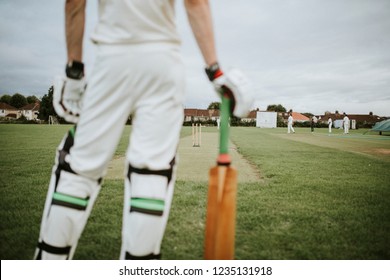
[(308, 55)]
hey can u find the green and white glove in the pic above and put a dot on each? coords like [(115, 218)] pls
[(68, 92), (235, 85)]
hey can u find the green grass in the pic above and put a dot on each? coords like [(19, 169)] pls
[(320, 197), (316, 203)]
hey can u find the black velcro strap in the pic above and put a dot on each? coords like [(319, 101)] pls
[(144, 171), (147, 257), (146, 211), (213, 71), (54, 250), (75, 70), (69, 140), (165, 172), (63, 164)]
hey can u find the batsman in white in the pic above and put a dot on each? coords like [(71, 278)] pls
[(290, 122), (138, 71), (346, 123), (330, 123)]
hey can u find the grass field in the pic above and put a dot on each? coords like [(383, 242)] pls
[(317, 197)]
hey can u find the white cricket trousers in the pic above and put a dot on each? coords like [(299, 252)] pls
[(346, 128), (290, 128), (146, 81)]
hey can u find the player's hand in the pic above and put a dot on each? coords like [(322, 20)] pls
[(68, 93), (235, 85)]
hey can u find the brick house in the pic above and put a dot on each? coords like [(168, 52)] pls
[(297, 117), (360, 120), (8, 111), (202, 115), (31, 111)]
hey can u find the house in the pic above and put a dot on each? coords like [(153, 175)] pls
[(251, 116), (202, 115), (297, 117), (357, 120), (31, 111), (8, 111)]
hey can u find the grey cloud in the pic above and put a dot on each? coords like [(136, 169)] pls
[(309, 55)]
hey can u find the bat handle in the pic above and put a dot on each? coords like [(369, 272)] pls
[(224, 158)]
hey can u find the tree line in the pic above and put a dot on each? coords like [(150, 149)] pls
[(18, 100), (46, 109)]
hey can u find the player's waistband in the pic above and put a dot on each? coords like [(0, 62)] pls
[(107, 49)]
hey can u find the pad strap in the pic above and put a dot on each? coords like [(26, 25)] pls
[(147, 257), (147, 206), (61, 199), (52, 249), (70, 201), (144, 171)]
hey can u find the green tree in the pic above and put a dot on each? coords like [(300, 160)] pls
[(276, 108), (18, 100), (46, 108), (6, 98), (235, 121), (31, 99), (214, 105)]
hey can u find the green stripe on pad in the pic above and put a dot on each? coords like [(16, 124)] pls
[(148, 204), (70, 199)]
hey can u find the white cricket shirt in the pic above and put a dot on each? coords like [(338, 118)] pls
[(136, 21)]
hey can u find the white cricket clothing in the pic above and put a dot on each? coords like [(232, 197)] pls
[(330, 125), (138, 72), (136, 22), (129, 79), (290, 125), (346, 124), (62, 223)]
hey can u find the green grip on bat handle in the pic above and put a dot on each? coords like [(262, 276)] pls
[(224, 157)]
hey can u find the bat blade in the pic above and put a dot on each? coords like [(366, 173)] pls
[(221, 214)]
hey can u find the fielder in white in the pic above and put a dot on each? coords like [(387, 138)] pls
[(346, 123), (290, 122), (138, 71), (330, 123)]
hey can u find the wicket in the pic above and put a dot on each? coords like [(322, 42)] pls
[(196, 135)]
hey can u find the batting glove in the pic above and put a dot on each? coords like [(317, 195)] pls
[(235, 85), (68, 92)]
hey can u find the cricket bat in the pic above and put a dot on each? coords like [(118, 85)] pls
[(221, 204)]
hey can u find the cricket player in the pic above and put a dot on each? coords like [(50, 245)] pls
[(330, 122), (290, 122), (346, 123), (139, 72)]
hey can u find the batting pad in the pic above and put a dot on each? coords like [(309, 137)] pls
[(148, 197), (69, 202)]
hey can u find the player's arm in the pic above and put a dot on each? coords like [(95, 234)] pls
[(69, 90), (200, 19), (74, 28), (234, 84)]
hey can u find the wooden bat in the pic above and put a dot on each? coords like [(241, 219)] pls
[(221, 205)]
